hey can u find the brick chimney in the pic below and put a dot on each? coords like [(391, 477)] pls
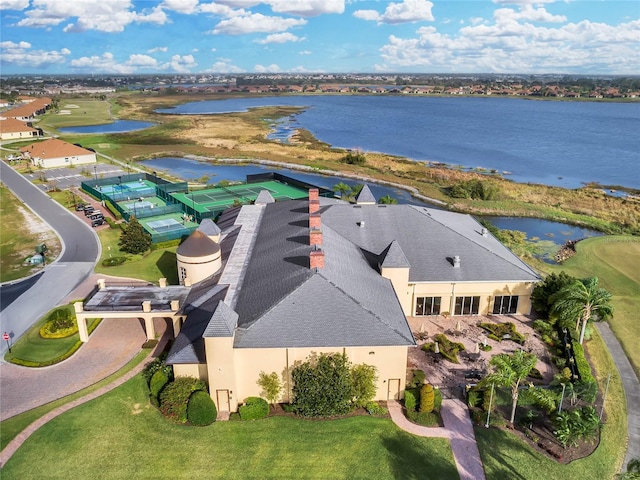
[(315, 237), (313, 194), (316, 259), (315, 220), (314, 206)]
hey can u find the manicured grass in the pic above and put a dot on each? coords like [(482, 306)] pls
[(614, 261), (18, 242), (121, 436), (88, 112), (13, 426), (151, 267), (505, 456)]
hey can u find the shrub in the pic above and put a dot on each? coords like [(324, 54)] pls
[(418, 379), (60, 324), (201, 410), (254, 408), (448, 349), (113, 261), (174, 398), (586, 386), (271, 386), (288, 408), (497, 331), (322, 386), (426, 419), (167, 244), (155, 365), (570, 426), (363, 378), (552, 284), (158, 381), (437, 399), (354, 158), (376, 410), (410, 400), (427, 398), (473, 396)]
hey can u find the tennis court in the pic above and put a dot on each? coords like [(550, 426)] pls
[(165, 225), (129, 190), (215, 198)]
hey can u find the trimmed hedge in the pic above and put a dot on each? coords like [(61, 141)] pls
[(418, 378), (113, 261), (254, 408), (448, 349), (587, 381), (411, 400), (174, 398), (498, 330), (427, 398), (158, 381), (201, 410), (116, 213), (167, 244)]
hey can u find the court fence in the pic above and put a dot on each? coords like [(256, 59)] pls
[(172, 235)]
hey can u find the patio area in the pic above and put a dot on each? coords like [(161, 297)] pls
[(474, 362)]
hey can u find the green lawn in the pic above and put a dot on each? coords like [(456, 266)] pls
[(74, 112), (155, 265), (505, 456), (614, 260), (16, 241), (120, 436)]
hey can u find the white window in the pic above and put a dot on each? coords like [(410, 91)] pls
[(467, 305), (505, 304), (428, 306)]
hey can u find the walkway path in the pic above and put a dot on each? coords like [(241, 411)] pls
[(458, 428), (17, 442), (631, 390)]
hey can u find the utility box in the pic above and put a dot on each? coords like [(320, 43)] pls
[(42, 248)]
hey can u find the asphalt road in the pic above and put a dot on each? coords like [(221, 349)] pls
[(30, 299)]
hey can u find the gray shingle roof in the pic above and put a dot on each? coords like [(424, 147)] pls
[(365, 196), (209, 228), (264, 197), (394, 257), (283, 303), (223, 322), (429, 239)]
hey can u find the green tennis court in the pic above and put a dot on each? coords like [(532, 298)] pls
[(215, 198)]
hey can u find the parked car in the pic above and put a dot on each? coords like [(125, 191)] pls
[(96, 215), (88, 210), (96, 222), (80, 206)]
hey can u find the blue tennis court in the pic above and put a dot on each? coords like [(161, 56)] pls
[(165, 225)]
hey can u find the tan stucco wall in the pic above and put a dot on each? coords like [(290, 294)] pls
[(201, 268), (222, 370), (191, 370), (61, 162), (15, 135), (486, 291), (391, 363), (400, 280)]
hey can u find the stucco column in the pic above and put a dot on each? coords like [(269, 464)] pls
[(83, 332), (148, 326), (177, 324)]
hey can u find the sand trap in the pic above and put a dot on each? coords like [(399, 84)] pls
[(64, 112), (71, 106)]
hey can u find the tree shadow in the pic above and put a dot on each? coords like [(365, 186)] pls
[(502, 453), (408, 459), (167, 264)]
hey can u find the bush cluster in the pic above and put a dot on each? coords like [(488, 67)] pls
[(376, 409), (587, 385), (571, 426), (174, 397), (201, 410), (113, 261), (155, 365), (474, 189), (60, 324), (448, 349), (158, 381), (498, 330), (413, 402), (254, 408), (355, 158), (417, 379)]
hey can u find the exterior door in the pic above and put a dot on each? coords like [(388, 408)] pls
[(222, 397), (393, 393)]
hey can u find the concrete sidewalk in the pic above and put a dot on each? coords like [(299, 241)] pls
[(458, 428)]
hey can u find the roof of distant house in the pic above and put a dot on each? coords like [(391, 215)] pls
[(10, 125), (54, 148)]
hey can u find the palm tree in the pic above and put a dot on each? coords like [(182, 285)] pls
[(343, 190), (582, 301), (387, 200), (510, 371)]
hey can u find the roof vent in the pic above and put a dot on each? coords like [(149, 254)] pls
[(456, 261), (361, 223), (484, 232)]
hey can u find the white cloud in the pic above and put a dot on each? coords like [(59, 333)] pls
[(523, 2), (304, 52), (21, 54), (306, 8), (14, 4), (180, 64), (104, 63), (408, 11), (224, 65), (301, 69), (239, 3), (370, 15), (139, 60), (280, 38), (527, 12), (520, 47), (105, 16), (256, 23), (157, 49), (180, 6), (273, 68)]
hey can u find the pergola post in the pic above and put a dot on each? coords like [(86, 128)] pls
[(83, 331), (148, 320)]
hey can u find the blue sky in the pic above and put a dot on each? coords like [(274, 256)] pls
[(319, 36)]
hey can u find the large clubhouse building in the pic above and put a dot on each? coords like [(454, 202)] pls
[(276, 282)]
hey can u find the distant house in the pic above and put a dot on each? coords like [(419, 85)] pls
[(28, 111), (56, 153), (11, 129)]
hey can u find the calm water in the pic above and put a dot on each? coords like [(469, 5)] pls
[(119, 126), (549, 235), (555, 143)]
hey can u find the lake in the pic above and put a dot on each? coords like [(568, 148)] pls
[(560, 143), (119, 126), (548, 235)]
